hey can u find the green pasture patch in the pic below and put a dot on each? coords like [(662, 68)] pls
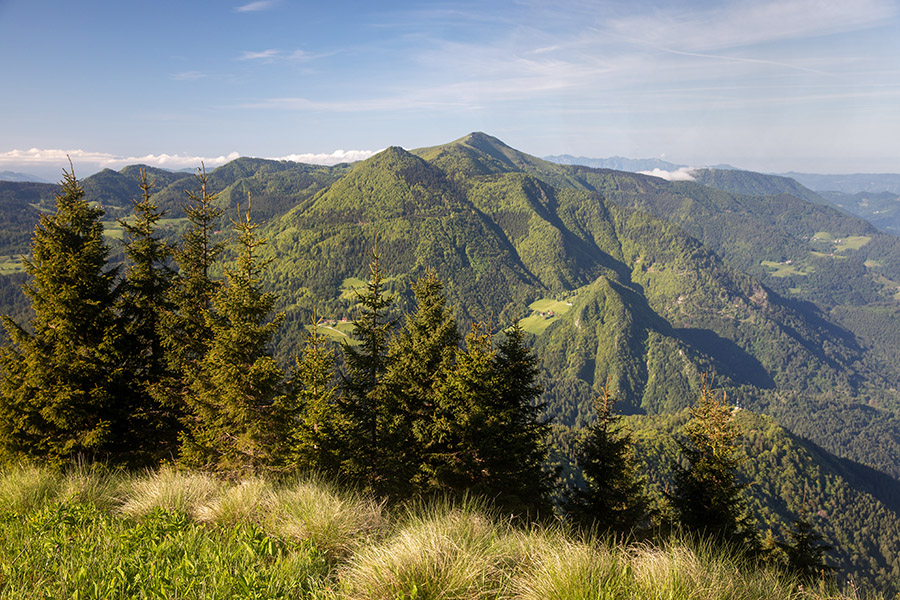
[(353, 282), (536, 324), (890, 285), (545, 312), (42, 208), (10, 263), (337, 330), (840, 243), (547, 304), (782, 269), (853, 242), (349, 288), (113, 230)]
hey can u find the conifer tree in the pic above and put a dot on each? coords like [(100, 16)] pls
[(148, 279), (417, 354), (708, 496), (805, 552), (487, 434), (62, 381), (184, 329), (317, 422), (236, 399), (455, 461), (613, 498), (519, 442), (364, 400)]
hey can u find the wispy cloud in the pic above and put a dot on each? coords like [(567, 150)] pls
[(189, 76), (746, 23), (273, 54), (264, 55), (256, 6)]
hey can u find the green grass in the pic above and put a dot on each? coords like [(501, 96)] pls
[(350, 287), (853, 242), (339, 331), (10, 263), (839, 243), (91, 533), (892, 287), (537, 323), (782, 269)]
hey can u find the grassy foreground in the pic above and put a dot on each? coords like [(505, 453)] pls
[(170, 534)]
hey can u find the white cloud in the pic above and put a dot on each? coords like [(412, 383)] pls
[(336, 157), (50, 162), (682, 174), (91, 161), (264, 55), (275, 54), (256, 6), (188, 76)]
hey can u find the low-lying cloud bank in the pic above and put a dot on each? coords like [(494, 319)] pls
[(682, 174), (51, 162)]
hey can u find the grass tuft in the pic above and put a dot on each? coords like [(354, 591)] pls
[(441, 552), (170, 490), (568, 569), (25, 487), (250, 501), (336, 523)]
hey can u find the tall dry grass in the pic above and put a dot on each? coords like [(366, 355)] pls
[(111, 531)]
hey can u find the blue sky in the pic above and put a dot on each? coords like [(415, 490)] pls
[(805, 85)]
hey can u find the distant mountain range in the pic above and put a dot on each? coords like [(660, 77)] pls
[(874, 197), (618, 163), (790, 304), (850, 184), (15, 176)]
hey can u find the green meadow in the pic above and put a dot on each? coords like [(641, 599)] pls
[(90, 533)]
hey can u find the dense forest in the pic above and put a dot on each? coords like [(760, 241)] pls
[(486, 307)]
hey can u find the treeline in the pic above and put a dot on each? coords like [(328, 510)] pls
[(158, 360), (161, 361)]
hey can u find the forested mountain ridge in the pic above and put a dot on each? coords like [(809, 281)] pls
[(648, 305), (625, 280), (855, 509)]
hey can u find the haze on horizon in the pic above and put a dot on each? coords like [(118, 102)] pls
[(775, 85)]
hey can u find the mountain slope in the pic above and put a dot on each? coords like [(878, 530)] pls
[(855, 509), (651, 307)]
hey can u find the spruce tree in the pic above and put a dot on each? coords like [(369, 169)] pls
[(236, 400), (184, 330), (805, 553), (316, 420), (148, 279), (519, 441), (613, 498), (487, 434), (455, 460), (708, 496), (62, 378), (417, 354), (363, 399)]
